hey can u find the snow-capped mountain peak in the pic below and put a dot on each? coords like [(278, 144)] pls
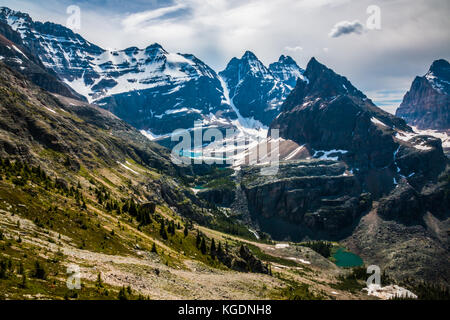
[(426, 104), (18, 21), (287, 70), (248, 65), (152, 88), (439, 76), (258, 91), (97, 73)]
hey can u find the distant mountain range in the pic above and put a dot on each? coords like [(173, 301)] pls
[(153, 89), (158, 91)]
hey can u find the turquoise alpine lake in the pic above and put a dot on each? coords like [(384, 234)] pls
[(346, 259)]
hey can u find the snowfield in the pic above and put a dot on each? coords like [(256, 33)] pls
[(389, 292)]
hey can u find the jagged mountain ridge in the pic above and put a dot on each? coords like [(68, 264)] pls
[(329, 113), (258, 91), (287, 71), (427, 104), (149, 88)]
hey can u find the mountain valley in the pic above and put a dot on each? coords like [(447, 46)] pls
[(88, 184)]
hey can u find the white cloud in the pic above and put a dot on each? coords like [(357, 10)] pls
[(346, 27), (294, 49), (134, 21), (320, 3), (217, 30)]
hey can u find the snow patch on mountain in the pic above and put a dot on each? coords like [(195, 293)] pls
[(438, 83), (151, 136), (378, 122), (406, 136), (389, 292), (326, 154)]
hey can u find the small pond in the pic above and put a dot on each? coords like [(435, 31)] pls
[(346, 259)]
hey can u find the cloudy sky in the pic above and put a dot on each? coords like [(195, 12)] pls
[(343, 34)]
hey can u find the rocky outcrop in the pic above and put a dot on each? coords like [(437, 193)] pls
[(421, 160), (306, 199), (427, 104), (220, 196), (402, 204)]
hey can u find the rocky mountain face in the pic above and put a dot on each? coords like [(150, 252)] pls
[(32, 120), (15, 54), (257, 91), (160, 91), (316, 199), (329, 113), (59, 49), (287, 71), (379, 156), (427, 104)]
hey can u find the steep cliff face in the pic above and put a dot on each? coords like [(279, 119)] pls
[(427, 104), (316, 199)]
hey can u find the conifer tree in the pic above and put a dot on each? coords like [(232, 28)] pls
[(123, 294), (23, 284), (203, 246), (219, 249), (198, 240), (99, 282), (213, 249)]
